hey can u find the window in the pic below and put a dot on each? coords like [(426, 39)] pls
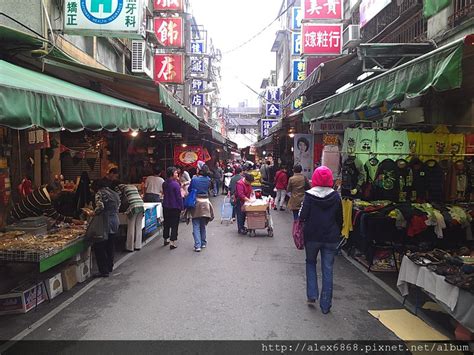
[(243, 131)]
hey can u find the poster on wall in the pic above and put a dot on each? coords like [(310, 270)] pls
[(303, 153), (188, 156)]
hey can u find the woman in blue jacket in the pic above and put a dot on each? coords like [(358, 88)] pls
[(322, 214)]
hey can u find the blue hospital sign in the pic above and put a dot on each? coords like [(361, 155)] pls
[(266, 125), (272, 110), (298, 70), (296, 17), (296, 43)]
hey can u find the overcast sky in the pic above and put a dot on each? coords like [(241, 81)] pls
[(229, 23)]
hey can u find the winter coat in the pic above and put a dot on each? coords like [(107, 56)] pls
[(242, 190), (281, 180), (297, 185), (322, 214)]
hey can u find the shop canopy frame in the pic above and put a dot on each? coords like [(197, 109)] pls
[(440, 70), (32, 99)]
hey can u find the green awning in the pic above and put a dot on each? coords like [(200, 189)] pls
[(29, 98), (169, 100), (440, 70)]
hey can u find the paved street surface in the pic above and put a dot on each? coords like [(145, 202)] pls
[(237, 288)]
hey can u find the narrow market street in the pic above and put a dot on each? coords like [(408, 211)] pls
[(238, 288)]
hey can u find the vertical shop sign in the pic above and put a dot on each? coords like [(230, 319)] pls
[(266, 124), (198, 47), (296, 43), (198, 100), (323, 9), (169, 68), (298, 103), (272, 110), (197, 65), (322, 39), (169, 31), (303, 153), (296, 17), (168, 5), (298, 70), (38, 138), (197, 84), (273, 93)]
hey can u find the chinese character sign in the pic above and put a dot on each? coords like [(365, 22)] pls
[(38, 138), (298, 103), (265, 127), (273, 93), (296, 17), (197, 84), (296, 43), (303, 153), (197, 66), (298, 70), (169, 31), (322, 39), (168, 5), (197, 100), (108, 18), (272, 110), (323, 9), (197, 47), (169, 68)]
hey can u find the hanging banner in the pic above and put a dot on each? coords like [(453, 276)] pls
[(187, 156), (322, 39), (169, 68), (107, 18), (205, 155), (169, 31), (323, 9), (168, 5), (303, 153)]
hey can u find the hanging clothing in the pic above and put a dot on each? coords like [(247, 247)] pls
[(469, 163), (434, 181), (351, 137), (405, 180), (331, 158), (365, 144), (346, 217), (371, 166), (449, 182), (415, 143), (461, 179), (353, 176), (469, 143), (419, 180), (386, 186), (394, 142)]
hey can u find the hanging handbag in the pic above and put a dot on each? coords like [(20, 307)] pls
[(190, 200), (298, 236), (96, 229)]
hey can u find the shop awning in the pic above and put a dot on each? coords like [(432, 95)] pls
[(29, 98), (169, 100), (263, 142), (440, 70)]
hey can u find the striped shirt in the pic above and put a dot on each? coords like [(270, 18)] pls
[(38, 203), (133, 198)]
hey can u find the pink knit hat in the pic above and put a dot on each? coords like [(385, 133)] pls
[(322, 176)]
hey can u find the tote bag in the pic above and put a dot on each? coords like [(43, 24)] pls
[(96, 229), (190, 200), (298, 236)]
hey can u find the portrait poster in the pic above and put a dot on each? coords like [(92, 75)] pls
[(303, 153)]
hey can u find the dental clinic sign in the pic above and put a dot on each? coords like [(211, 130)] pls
[(106, 18)]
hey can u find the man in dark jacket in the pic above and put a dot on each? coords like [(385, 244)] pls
[(322, 214)]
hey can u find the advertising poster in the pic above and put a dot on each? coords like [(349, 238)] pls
[(303, 153), (190, 155)]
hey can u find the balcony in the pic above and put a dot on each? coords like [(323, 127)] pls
[(463, 10), (413, 30)]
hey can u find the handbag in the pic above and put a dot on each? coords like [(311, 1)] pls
[(298, 235), (96, 229), (190, 200)]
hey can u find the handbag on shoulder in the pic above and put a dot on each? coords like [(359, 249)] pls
[(298, 236)]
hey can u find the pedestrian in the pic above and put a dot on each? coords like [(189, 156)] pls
[(134, 212), (107, 204), (232, 186), (228, 173), (243, 193), (184, 180), (297, 185), (322, 217), (153, 189), (281, 183), (172, 207), (203, 213), (218, 176)]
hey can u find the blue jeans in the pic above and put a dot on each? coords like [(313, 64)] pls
[(328, 251), (216, 187), (199, 232), (240, 216)]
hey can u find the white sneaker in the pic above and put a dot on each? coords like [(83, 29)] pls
[(203, 246), (197, 250)]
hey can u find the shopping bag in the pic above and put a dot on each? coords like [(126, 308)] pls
[(298, 236), (190, 200), (96, 229)]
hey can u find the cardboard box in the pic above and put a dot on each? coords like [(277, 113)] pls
[(54, 285), (83, 270), (255, 208), (68, 276), (22, 299), (86, 254)]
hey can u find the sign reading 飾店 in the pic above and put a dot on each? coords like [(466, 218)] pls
[(321, 39), (169, 31), (106, 18)]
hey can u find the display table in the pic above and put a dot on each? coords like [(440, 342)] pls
[(457, 302)]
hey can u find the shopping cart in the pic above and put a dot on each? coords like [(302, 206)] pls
[(226, 210), (258, 217)]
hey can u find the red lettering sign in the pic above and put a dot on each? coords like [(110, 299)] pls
[(169, 68), (168, 5), (323, 9), (322, 39), (169, 31)]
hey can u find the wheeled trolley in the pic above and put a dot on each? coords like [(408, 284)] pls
[(259, 220), (226, 211)]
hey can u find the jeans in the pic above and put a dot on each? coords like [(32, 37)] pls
[(216, 187), (199, 232), (240, 216), (328, 251), (149, 197), (280, 198), (295, 214)]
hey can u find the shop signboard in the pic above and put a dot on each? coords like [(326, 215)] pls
[(198, 47), (298, 103), (38, 138), (296, 17), (323, 10), (368, 9), (106, 18), (273, 93), (197, 84), (168, 5), (151, 221), (198, 100), (272, 109), (330, 126), (298, 70), (169, 31), (169, 68), (303, 153), (296, 43), (197, 66), (322, 39), (266, 124), (188, 156)]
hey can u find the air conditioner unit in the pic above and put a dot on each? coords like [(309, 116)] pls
[(351, 36), (142, 58)]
